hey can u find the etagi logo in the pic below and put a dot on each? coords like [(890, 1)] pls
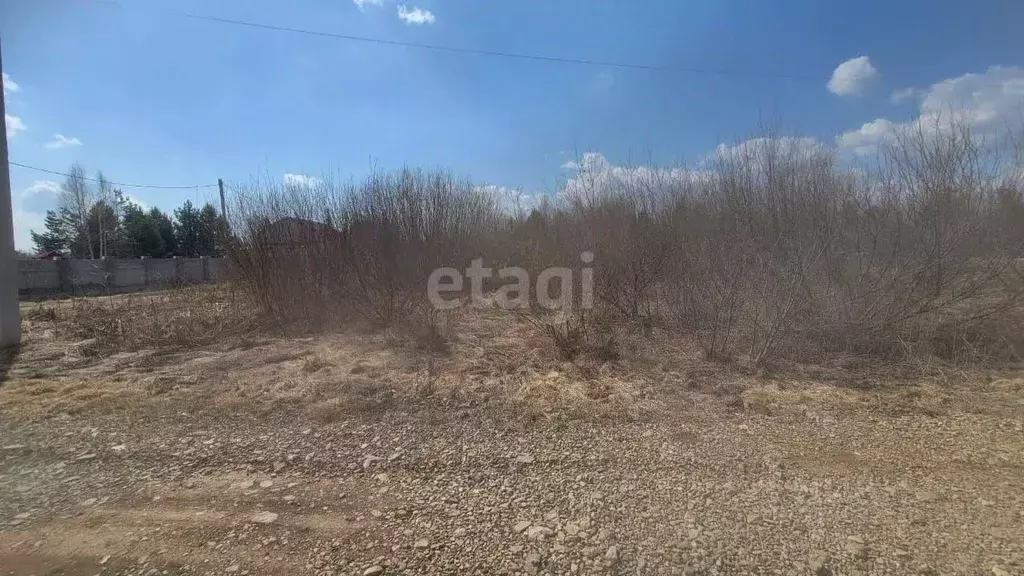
[(514, 295)]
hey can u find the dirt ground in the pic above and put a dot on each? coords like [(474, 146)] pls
[(356, 454)]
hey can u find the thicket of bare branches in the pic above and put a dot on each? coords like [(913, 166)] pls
[(319, 253), (773, 249)]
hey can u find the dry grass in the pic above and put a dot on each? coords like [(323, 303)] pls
[(183, 317), (204, 351)]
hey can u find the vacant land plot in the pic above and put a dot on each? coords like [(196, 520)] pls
[(359, 452)]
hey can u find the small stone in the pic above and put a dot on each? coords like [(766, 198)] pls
[(373, 571), (88, 502), (524, 459), (264, 517), (266, 483), (520, 526), (459, 532), (232, 568), (612, 555), (105, 559), (243, 485), (376, 513), (422, 543), (538, 532)]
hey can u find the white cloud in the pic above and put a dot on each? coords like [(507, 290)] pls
[(14, 125), (511, 199), (596, 176), (300, 180), (754, 148), (415, 15), (902, 94), (362, 3), (987, 97), (136, 201), (989, 103), (866, 139), (853, 77), (61, 141), (42, 187), (10, 86)]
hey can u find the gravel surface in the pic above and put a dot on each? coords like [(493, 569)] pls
[(707, 493), (342, 455)]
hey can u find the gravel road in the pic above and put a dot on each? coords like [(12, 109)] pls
[(716, 492)]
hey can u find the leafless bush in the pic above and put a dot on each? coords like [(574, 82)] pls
[(576, 332), (772, 249), (313, 254), (432, 330), (784, 253)]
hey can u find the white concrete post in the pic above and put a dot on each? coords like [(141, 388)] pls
[(10, 315)]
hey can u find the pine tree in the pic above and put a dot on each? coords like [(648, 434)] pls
[(211, 229), (141, 233), (186, 229), (58, 235), (165, 227)]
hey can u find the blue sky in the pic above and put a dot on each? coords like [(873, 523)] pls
[(152, 97)]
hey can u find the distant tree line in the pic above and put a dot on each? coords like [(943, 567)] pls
[(95, 220)]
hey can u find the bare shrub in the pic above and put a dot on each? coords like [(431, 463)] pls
[(783, 253), (314, 254), (432, 330), (625, 224), (772, 249), (576, 332)]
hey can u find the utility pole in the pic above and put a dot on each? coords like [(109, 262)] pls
[(10, 315), (223, 206)]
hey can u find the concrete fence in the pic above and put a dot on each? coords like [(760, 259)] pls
[(45, 278)]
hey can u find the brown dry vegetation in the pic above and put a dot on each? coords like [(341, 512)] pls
[(207, 348), (773, 252)]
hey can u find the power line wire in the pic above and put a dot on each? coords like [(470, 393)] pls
[(112, 183), (498, 53)]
